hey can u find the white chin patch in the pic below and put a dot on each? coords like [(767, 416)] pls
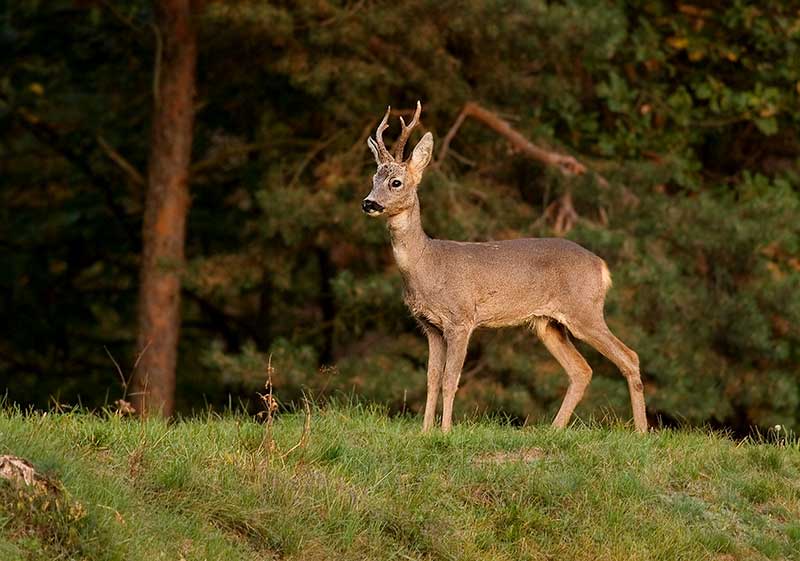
[(375, 213)]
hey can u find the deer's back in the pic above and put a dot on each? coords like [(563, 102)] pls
[(505, 282)]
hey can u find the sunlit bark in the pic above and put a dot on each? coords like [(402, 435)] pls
[(166, 207)]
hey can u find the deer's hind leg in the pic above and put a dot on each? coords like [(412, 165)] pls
[(598, 335), (555, 339)]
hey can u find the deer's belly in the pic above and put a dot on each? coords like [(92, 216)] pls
[(445, 310), (504, 307), (508, 318)]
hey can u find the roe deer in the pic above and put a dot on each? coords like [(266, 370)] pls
[(553, 285)]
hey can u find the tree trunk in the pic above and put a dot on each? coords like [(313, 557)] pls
[(166, 207)]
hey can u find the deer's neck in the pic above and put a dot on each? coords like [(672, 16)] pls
[(409, 241)]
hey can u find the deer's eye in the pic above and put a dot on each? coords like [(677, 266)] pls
[(396, 183)]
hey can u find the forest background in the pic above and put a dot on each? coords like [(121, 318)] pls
[(685, 114)]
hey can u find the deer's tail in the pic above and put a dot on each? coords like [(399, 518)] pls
[(605, 275)]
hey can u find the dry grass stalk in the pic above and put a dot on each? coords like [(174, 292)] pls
[(303, 442), (123, 407), (268, 444)]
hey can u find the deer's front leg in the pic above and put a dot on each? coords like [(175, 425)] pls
[(456, 341), (436, 361)]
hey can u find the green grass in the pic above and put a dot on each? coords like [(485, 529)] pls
[(371, 487)]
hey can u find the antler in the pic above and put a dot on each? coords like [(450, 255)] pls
[(406, 132), (385, 156)]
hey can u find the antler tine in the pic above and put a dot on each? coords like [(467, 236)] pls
[(400, 145), (382, 150)]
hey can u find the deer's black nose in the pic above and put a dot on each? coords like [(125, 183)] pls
[(369, 206)]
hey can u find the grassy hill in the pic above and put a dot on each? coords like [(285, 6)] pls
[(361, 485)]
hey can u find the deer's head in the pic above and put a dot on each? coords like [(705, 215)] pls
[(394, 185)]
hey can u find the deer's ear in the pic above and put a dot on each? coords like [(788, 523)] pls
[(374, 148), (421, 156)]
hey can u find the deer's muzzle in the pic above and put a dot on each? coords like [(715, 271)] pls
[(371, 207)]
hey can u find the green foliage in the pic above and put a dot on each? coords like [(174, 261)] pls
[(689, 111), (366, 486)]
